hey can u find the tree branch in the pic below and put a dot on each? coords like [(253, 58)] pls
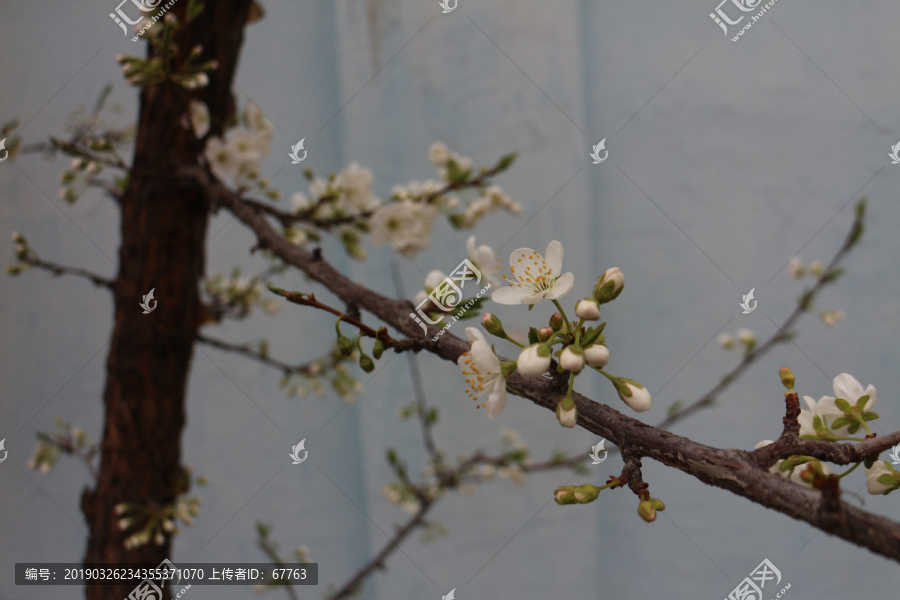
[(738, 471)]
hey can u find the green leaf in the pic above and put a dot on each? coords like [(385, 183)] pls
[(817, 423), (674, 408), (869, 416), (533, 336), (854, 427), (861, 403), (842, 404), (506, 161)]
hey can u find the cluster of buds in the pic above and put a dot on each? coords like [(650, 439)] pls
[(648, 506), (581, 494), (575, 345)]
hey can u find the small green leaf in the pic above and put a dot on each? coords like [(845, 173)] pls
[(533, 336), (854, 427), (861, 403), (869, 416), (506, 161)]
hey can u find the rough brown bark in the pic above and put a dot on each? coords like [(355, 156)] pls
[(164, 223), (742, 472)]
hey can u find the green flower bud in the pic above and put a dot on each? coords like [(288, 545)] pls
[(556, 322), (564, 495), (609, 285), (493, 325), (586, 493), (647, 511), (787, 378), (345, 345), (366, 363), (378, 349)]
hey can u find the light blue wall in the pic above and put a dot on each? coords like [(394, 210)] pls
[(726, 159)]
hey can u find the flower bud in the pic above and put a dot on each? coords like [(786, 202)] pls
[(596, 355), (647, 511), (366, 363), (726, 340), (345, 345), (534, 360), (609, 285), (882, 478), (566, 412), (816, 267), (588, 309), (658, 504), (493, 325), (564, 494), (586, 493), (544, 334), (556, 322), (572, 359), (633, 394), (787, 378), (746, 337), (378, 348)]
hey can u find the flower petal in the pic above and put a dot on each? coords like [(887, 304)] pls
[(561, 287), (485, 358), (554, 256), (847, 387), (497, 398), (475, 335), (510, 294)]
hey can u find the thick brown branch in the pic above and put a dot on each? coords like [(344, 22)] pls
[(735, 470)]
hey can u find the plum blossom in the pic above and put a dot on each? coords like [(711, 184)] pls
[(536, 278), (406, 224), (531, 363), (485, 259), (481, 368)]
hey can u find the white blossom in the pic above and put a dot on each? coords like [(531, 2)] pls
[(481, 368), (535, 277), (485, 259), (406, 224)]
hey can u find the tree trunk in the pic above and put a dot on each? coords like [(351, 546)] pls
[(164, 223)]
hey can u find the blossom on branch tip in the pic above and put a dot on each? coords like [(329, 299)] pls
[(481, 368), (536, 278)]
